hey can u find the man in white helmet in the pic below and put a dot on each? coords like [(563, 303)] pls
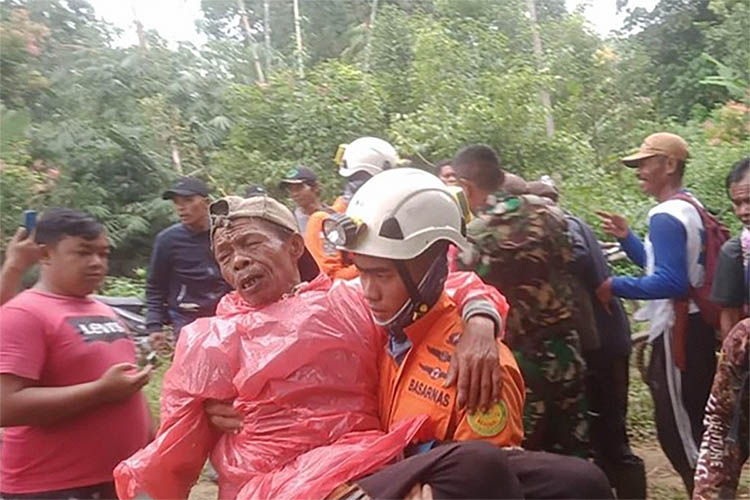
[(398, 228), (358, 161)]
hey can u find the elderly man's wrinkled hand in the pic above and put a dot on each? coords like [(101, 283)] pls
[(475, 365), (613, 224), (223, 416)]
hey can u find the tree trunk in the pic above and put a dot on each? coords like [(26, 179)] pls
[(370, 30), (267, 33), (298, 35), (142, 40), (176, 159), (538, 52), (251, 41)]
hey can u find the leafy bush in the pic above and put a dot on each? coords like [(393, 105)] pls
[(292, 122), (641, 427), (115, 125), (18, 185), (124, 286)]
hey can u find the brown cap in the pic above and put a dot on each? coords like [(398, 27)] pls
[(543, 189), (514, 184), (263, 207), (659, 144)]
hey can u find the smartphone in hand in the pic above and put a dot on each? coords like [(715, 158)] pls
[(29, 220)]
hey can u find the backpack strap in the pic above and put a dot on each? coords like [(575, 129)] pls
[(682, 305), (703, 212), (685, 196)]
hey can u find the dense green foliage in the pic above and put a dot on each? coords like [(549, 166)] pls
[(126, 286), (88, 124)]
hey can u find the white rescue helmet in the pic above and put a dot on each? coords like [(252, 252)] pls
[(366, 154), (399, 214)]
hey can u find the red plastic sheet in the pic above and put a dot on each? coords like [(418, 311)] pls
[(303, 372)]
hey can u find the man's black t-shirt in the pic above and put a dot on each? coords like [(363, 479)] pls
[(729, 288), (592, 267)]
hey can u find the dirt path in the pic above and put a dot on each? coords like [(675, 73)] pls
[(204, 490), (660, 475), (663, 481)]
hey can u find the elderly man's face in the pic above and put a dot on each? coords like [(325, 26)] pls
[(652, 174), (258, 259)]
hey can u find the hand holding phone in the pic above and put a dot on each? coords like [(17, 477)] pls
[(22, 252), (29, 220)]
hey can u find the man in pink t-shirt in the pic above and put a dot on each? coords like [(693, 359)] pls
[(70, 395)]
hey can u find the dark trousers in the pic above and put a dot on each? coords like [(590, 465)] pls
[(180, 320), (551, 476), (103, 491), (477, 469), (607, 383), (472, 469), (696, 386)]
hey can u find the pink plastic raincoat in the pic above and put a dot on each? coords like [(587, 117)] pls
[(303, 372)]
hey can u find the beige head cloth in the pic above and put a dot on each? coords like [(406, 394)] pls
[(226, 209)]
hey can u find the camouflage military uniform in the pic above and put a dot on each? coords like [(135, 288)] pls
[(521, 246), (725, 441)]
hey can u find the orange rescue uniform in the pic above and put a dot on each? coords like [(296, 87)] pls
[(330, 260), (340, 205), (416, 386)]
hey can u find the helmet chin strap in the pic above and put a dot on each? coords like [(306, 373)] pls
[(420, 307), (393, 318), (422, 296)]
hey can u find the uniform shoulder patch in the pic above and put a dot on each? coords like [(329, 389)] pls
[(491, 422)]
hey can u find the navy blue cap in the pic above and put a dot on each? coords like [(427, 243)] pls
[(299, 175), (186, 186), (254, 190)]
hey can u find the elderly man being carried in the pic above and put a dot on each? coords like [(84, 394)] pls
[(298, 356)]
